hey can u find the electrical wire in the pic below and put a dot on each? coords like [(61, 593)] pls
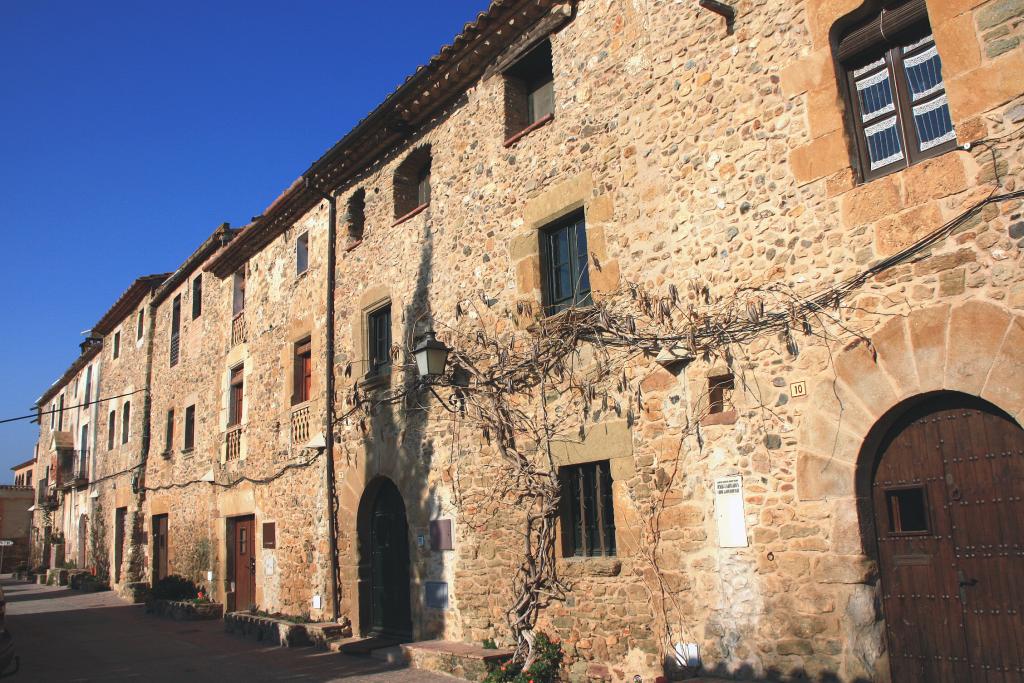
[(34, 416)]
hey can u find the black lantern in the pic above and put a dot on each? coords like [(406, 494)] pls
[(431, 356)]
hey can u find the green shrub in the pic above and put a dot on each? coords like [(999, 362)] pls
[(489, 644), (174, 587), (544, 669)]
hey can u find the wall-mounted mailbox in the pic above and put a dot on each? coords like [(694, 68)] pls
[(441, 534), (270, 535)]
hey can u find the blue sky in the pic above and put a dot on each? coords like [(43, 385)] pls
[(130, 130)]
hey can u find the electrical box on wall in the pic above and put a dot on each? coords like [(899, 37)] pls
[(436, 594), (732, 524), (441, 534)]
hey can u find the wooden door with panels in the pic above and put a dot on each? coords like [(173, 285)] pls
[(948, 499)]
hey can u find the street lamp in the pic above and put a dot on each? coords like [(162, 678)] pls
[(431, 356)]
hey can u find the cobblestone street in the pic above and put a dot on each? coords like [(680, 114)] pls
[(64, 635)]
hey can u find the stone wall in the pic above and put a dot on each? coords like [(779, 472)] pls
[(696, 155)]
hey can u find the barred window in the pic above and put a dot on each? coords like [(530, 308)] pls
[(588, 516)]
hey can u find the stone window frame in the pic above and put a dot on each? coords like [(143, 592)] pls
[(188, 436), (612, 441), (112, 429), (140, 321), (301, 348), (704, 391), (373, 299), (570, 476), (411, 184), (302, 254), (197, 296), (531, 74), (115, 346), (126, 422), (556, 203), (355, 218), (854, 50)]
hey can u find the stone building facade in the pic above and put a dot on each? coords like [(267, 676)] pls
[(808, 160)]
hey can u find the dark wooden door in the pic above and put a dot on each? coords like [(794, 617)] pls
[(244, 564), (120, 515), (949, 516), (389, 565), (159, 547)]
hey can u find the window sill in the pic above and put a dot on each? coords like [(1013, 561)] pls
[(594, 565), (375, 381), (299, 276), (415, 212), (539, 123), (187, 451), (353, 245), (726, 417)]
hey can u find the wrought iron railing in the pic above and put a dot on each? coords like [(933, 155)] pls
[(300, 425), (74, 468), (238, 329), (233, 440)]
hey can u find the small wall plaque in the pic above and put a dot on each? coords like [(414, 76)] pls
[(732, 526), (798, 389)]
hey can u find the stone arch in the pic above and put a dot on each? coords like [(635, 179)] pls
[(975, 348)]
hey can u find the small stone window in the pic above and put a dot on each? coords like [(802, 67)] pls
[(412, 184), (564, 259), (236, 396), (189, 440), (126, 420), (197, 296), (111, 429), (302, 364), (529, 92), (895, 94), (139, 320), (588, 515), (175, 330), (378, 338), (720, 388), (355, 217), (302, 254), (238, 291), (169, 432), (117, 345)]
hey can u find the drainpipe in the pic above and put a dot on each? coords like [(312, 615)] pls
[(329, 388)]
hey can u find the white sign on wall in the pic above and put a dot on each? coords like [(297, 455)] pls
[(732, 525)]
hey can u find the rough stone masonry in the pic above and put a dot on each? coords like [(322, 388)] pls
[(691, 151)]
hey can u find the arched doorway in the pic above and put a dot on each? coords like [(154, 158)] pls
[(384, 562), (947, 494)]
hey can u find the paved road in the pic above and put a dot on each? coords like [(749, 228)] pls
[(64, 635)]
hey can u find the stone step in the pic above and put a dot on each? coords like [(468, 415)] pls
[(391, 655), (470, 662)]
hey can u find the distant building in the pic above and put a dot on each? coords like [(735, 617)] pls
[(23, 473)]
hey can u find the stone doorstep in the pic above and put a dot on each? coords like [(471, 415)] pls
[(470, 662)]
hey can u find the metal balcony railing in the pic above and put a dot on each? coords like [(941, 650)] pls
[(234, 443), (238, 329), (300, 425), (46, 498), (74, 468)]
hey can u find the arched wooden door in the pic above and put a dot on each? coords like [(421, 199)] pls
[(948, 498), (389, 565)]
